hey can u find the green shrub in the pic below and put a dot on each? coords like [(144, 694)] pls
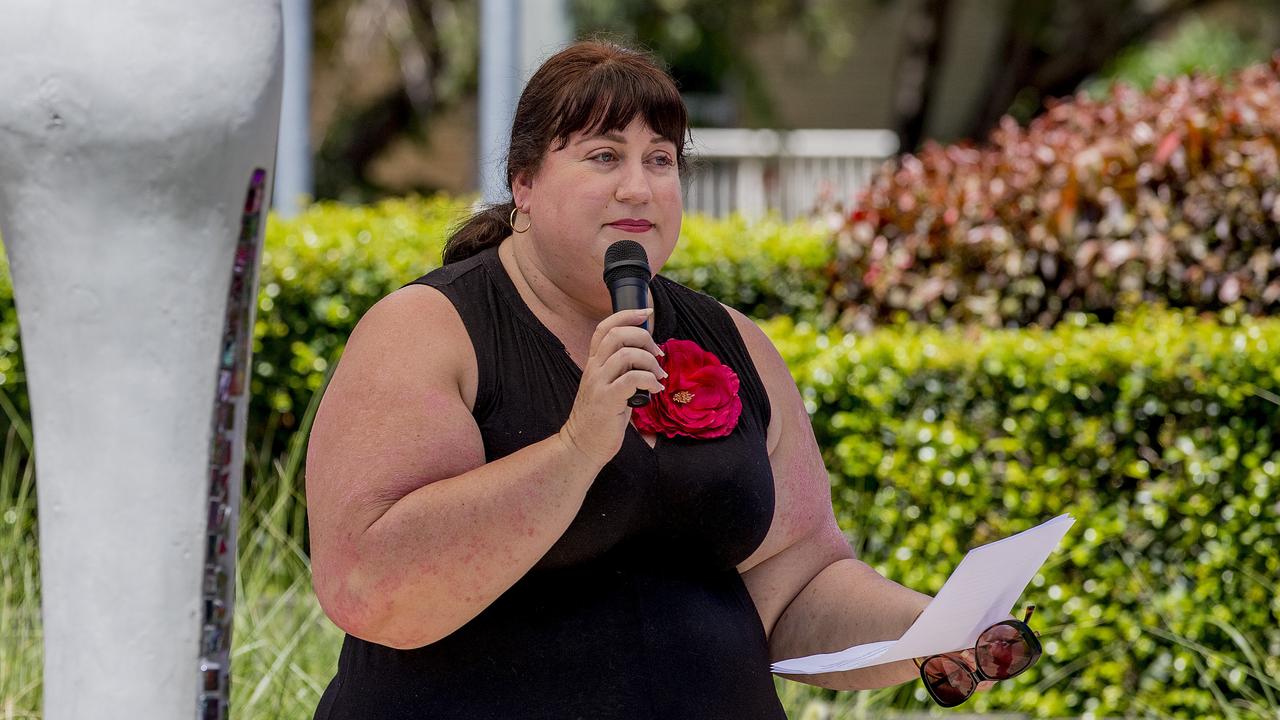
[(1159, 433), (1098, 205), (322, 270), (762, 267)]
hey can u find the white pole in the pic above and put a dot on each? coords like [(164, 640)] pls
[(498, 52), (544, 29), (293, 160), (515, 38)]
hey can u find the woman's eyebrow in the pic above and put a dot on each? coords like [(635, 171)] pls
[(615, 137), (610, 136)]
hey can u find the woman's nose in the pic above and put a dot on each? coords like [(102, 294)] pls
[(633, 186)]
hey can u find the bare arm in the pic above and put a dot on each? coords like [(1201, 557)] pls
[(812, 594), (847, 603), (445, 551), (413, 534)]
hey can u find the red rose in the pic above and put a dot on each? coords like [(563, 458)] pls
[(701, 397)]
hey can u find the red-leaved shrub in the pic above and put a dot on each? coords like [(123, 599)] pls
[(1166, 195)]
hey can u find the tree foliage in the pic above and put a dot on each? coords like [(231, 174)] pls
[(1097, 205)]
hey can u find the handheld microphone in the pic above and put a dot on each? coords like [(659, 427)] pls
[(626, 273)]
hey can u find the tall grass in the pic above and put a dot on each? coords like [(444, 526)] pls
[(20, 635), (284, 650)]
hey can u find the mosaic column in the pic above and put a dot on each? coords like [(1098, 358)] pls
[(137, 144)]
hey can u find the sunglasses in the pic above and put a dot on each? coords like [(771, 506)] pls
[(1002, 651)]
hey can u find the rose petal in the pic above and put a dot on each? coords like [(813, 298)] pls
[(715, 407)]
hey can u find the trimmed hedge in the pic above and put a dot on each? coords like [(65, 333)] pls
[(1167, 195), (1159, 433), (322, 270)]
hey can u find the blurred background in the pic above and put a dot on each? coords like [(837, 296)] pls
[(1022, 258), (395, 83)]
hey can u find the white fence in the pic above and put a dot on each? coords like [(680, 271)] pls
[(756, 171)]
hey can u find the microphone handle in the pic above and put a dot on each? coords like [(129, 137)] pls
[(632, 293)]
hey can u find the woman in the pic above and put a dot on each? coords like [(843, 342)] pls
[(490, 527)]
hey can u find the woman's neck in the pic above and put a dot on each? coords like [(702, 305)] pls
[(559, 311)]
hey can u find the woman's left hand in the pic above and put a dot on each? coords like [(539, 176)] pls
[(970, 660), (967, 658)]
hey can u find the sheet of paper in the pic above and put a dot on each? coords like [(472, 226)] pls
[(980, 592)]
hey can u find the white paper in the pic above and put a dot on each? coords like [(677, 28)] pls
[(979, 593)]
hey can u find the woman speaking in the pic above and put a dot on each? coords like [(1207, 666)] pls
[(501, 534)]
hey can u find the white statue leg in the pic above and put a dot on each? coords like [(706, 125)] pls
[(131, 135)]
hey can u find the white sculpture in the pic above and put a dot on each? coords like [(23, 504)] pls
[(136, 149)]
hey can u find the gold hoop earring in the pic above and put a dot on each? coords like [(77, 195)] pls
[(512, 222)]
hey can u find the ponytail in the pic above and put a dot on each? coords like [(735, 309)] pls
[(482, 230)]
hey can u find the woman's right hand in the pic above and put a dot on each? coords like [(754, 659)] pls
[(623, 358)]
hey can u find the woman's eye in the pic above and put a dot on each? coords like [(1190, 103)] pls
[(605, 156), (663, 160)]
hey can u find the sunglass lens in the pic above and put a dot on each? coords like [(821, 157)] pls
[(950, 681), (1003, 651)]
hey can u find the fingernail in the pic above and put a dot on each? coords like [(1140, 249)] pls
[(660, 353), (646, 311), (664, 374)]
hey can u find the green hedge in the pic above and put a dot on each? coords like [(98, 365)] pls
[(322, 270), (1159, 433), (325, 268)]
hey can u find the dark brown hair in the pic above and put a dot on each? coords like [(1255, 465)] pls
[(591, 86)]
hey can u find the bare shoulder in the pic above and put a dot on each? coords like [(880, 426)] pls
[(804, 537), (395, 416), (802, 489), (773, 370), (419, 323)]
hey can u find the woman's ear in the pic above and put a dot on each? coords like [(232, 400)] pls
[(521, 190)]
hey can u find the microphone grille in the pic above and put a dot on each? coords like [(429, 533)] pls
[(625, 250), (626, 258)]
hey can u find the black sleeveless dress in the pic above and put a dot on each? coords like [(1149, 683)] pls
[(637, 611)]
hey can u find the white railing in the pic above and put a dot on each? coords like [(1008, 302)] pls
[(757, 171)]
